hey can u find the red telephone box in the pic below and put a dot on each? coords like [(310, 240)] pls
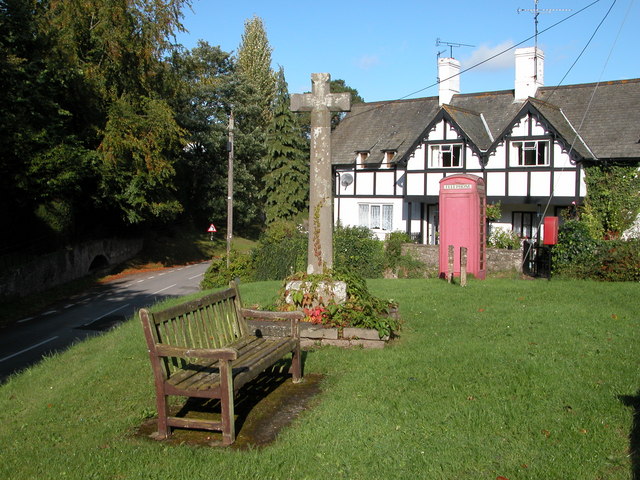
[(462, 209)]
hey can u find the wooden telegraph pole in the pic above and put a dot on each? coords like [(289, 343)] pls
[(230, 191)]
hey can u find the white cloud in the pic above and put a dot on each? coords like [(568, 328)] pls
[(484, 52), (367, 62)]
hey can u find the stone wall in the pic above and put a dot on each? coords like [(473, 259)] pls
[(66, 265), (498, 259)]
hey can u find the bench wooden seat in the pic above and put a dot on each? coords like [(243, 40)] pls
[(204, 349)]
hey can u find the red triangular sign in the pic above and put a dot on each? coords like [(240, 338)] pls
[(212, 228)]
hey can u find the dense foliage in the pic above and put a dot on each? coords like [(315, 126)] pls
[(580, 255), (108, 126), (286, 188), (282, 250), (613, 199), (502, 238)]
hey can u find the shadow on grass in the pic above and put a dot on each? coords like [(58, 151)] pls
[(633, 401), (263, 408)]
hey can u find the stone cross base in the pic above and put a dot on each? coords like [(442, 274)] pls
[(322, 293)]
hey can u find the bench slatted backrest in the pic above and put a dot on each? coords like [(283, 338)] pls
[(208, 322)]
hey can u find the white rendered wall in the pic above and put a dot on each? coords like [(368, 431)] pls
[(496, 184), (417, 159), (348, 209)]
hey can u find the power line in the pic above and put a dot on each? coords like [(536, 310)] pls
[(476, 64)]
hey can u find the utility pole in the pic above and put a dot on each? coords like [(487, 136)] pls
[(230, 190)]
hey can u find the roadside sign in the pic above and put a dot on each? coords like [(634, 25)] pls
[(212, 228)]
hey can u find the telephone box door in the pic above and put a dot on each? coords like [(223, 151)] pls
[(463, 223)]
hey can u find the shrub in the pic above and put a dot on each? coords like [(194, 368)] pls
[(281, 251), (575, 253), (219, 275), (618, 261), (358, 250), (502, 238), (401, 265)]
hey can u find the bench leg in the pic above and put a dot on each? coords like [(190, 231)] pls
[(226, 404), (296, 365), (163, 413)]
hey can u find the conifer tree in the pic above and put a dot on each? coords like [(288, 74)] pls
[(287, 180), (254, 64)]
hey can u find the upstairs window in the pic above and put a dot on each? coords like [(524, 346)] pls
[(532, 152), (361, 159), (445, 156)]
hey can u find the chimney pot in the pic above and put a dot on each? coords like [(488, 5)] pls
[(448, 78), (529, 72)]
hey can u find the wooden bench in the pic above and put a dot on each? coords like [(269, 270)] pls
[(204, 349)]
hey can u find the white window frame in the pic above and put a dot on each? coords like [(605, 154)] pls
[(532, 153), (439, 154), (376, 216)]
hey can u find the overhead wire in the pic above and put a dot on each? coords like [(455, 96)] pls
[(474, 66)]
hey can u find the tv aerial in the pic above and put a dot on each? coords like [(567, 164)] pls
[(536, 12), (450, 45)]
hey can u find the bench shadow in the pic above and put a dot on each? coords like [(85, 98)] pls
[(633, 401), (263, 407)]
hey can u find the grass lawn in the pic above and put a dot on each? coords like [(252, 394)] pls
[(503, 379)]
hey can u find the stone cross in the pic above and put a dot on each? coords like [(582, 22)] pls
[(320, 103)]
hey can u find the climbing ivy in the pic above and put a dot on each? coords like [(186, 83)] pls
[(612, 203)]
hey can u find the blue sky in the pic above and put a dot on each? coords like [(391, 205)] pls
[(387, 49)]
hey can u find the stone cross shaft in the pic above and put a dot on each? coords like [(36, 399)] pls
[(320, 102)]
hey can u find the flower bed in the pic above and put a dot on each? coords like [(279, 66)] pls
[(354, 307)]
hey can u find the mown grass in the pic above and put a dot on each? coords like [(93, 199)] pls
[(503, 378)]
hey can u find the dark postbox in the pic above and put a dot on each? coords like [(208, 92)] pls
[(463, 223)]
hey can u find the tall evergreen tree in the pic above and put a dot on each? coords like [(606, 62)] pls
[(254, 64), (287, 180)]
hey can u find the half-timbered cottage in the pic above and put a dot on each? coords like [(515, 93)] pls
[(530, 145)]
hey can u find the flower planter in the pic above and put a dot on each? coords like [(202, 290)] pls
[(316, 335)]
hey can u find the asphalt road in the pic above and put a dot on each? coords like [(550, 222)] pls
[(91, 313)]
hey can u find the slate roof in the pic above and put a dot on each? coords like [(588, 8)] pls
[(379, 126), (598, 121), (612, 127)]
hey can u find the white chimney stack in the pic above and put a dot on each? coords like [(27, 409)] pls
[(529, 72), (448, 78)]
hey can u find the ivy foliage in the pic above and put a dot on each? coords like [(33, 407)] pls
[(579, 255), (612, 203)]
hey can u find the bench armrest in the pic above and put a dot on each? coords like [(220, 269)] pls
[(182, 352), (294, 317)]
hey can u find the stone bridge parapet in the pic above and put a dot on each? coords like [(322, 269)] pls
[(65, 265)]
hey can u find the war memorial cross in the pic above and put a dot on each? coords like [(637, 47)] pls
[(320, 102)]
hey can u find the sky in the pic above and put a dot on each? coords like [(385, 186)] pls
[(387, 49)]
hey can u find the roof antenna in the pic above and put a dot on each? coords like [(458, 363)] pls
[(536, 11), (450, 45)]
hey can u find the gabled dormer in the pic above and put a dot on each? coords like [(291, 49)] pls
[(533, 133), (455, 139)]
